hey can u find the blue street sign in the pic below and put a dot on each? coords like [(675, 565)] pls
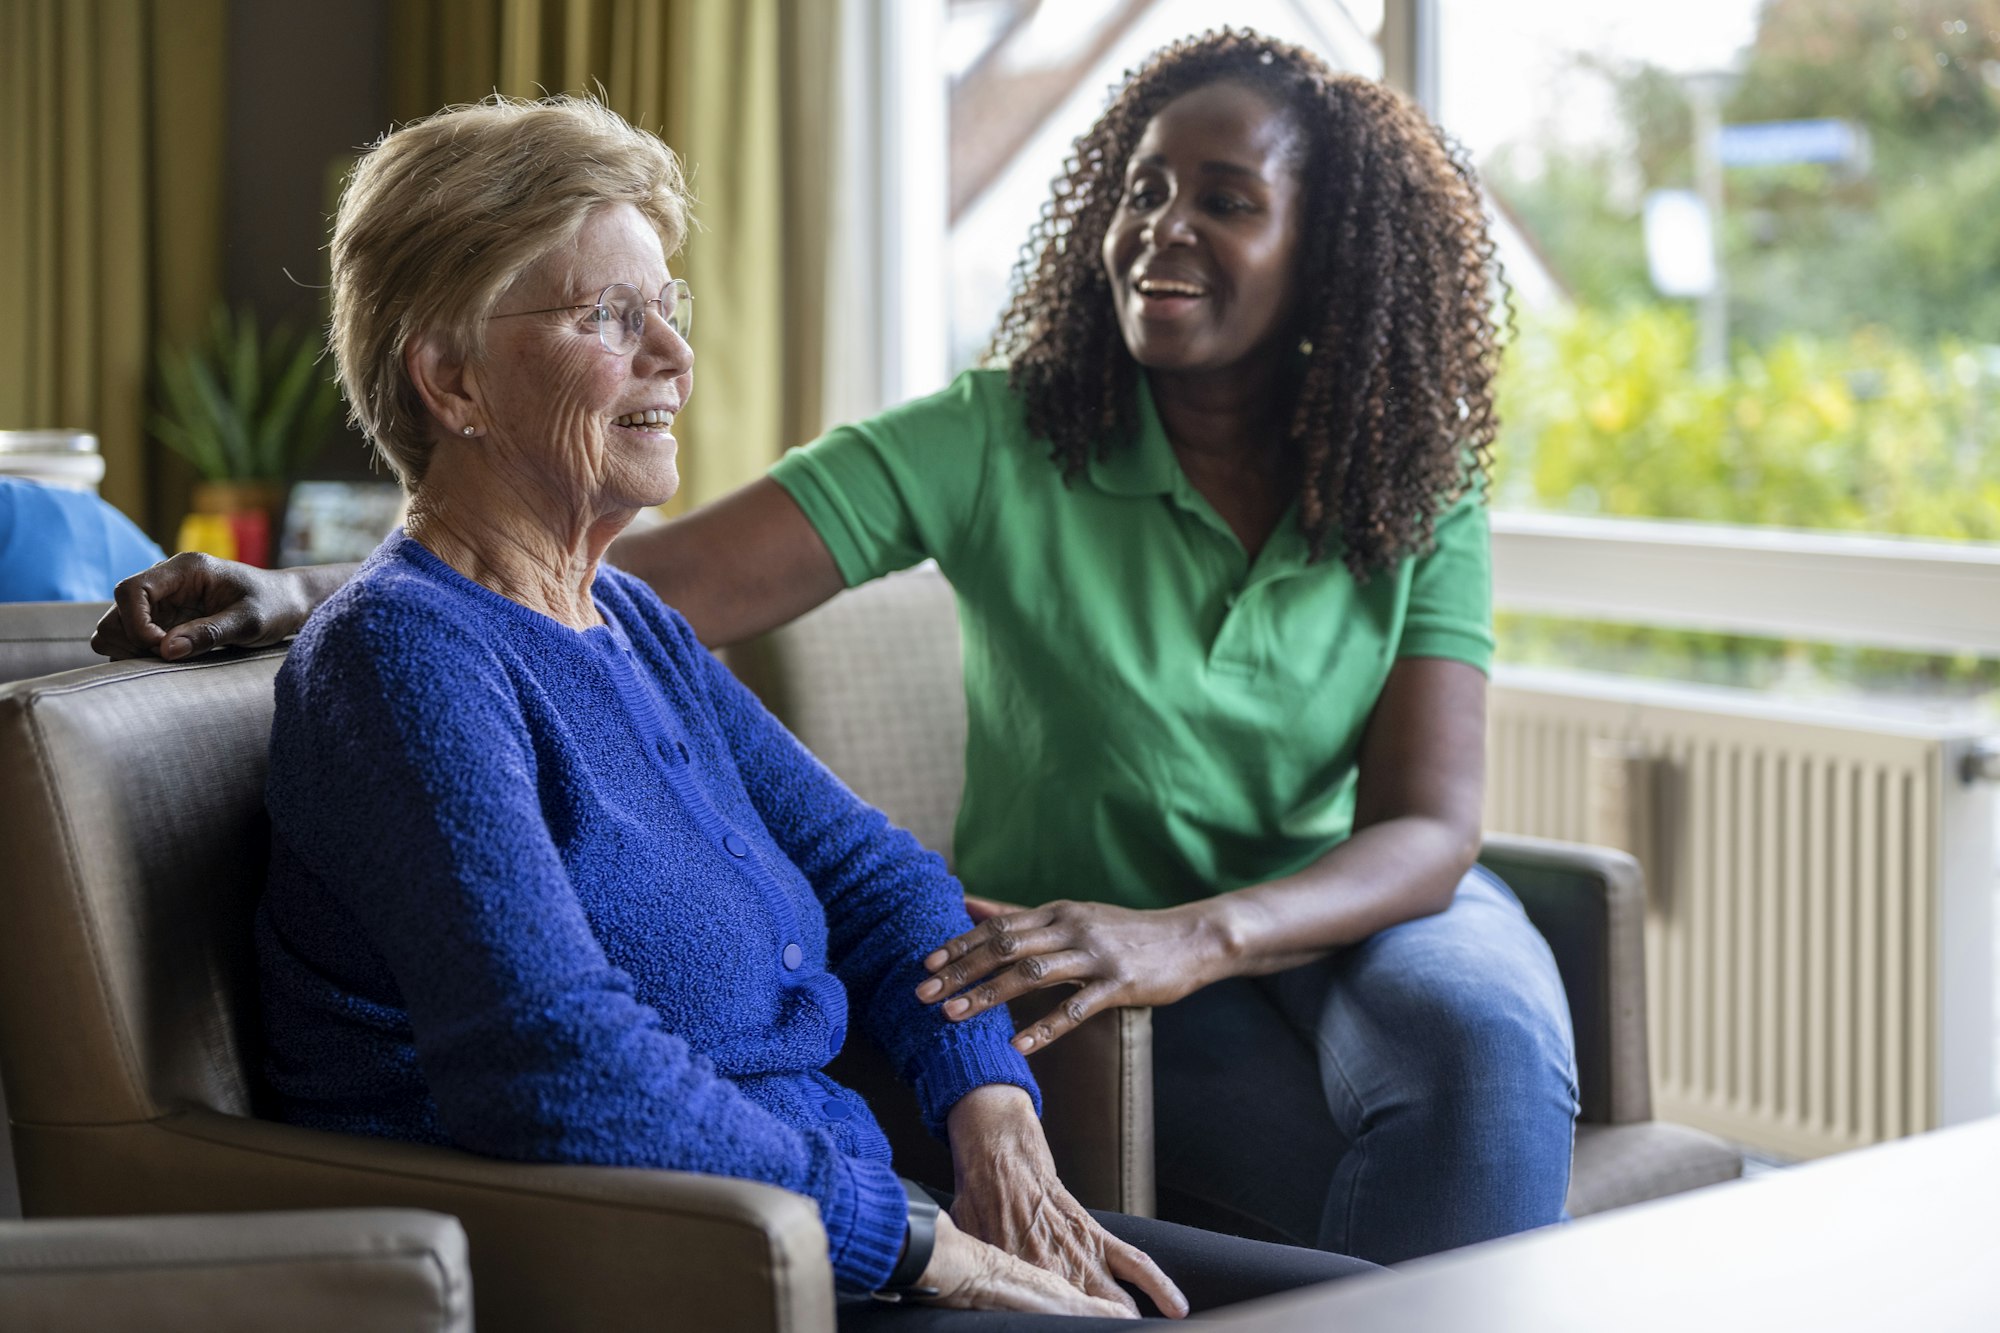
[(1783, 143)]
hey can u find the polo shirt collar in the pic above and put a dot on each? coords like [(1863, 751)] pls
[(1147, 466)]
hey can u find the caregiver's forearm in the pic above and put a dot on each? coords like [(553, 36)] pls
[(737, 567), (1384, 875)]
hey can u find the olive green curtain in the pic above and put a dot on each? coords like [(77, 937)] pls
[(111, 146), (743, 91)]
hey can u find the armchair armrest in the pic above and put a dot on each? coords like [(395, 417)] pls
[(553, 1247), (1097, 1107), (1097, 1098), (1589, 903), (385, 1270)]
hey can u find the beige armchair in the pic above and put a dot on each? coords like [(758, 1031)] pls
[(871, 683), (132, 827), (39, 638), (378, 1270)]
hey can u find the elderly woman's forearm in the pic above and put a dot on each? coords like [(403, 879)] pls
[(736, 567)]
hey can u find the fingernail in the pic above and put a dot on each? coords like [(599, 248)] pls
[(1024, 1044), (930, 990), (935, 961), (175, 647), (958, 1006)]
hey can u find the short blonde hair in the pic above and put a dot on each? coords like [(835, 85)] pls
[(440, 218)]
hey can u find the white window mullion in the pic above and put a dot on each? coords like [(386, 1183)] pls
[(886, 319)]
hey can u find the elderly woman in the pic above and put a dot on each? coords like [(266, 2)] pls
[(1217, 529), (546, 882)]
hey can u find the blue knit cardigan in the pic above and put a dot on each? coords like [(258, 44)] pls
[(564, 896)]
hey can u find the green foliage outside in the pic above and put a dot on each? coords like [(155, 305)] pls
[(1863, 390), (1605, 414), (1861, 433)]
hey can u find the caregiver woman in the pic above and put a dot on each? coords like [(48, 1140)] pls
[(1219, 543)]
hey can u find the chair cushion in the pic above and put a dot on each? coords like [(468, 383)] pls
[(873, 684), (1615, 1165)]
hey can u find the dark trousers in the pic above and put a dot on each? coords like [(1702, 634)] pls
[(1211, 1270)]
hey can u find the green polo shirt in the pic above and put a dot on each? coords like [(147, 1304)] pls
[(1152, 716)]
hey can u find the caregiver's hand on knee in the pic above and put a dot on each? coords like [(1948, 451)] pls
[(1416, 833), (1008, 1194), (1118, 956)]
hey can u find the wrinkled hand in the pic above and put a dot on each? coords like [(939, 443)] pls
[(1117, 956), (1010, 1197), (969, 1274), (193, 603)]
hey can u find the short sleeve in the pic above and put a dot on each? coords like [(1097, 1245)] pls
[(1450, 612), (903, 486)]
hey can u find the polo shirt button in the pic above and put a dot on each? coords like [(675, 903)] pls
[(837, 1110), (736, 845), (793, 956)]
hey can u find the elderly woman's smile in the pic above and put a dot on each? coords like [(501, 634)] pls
[(652, 421)]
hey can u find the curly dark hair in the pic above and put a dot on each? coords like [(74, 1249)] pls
[(1392, 419)]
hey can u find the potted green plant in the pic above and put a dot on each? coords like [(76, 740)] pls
[(246, 407)]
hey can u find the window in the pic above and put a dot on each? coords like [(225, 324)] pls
[(1759, 272)]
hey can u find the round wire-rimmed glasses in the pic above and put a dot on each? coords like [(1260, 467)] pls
[(619, 314)]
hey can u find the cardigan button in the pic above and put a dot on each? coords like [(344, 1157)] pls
[(836, 1109), (793, 956), (736, 845)]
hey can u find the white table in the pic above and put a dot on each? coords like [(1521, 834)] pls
[(1905, 1236)]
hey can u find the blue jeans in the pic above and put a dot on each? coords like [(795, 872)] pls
[(1412, 1093)]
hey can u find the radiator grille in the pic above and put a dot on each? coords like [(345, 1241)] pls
[(1794, 882)]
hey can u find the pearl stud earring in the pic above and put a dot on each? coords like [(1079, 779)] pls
[(469, 430)]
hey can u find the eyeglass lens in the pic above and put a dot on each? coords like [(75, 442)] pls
[(623, 324)]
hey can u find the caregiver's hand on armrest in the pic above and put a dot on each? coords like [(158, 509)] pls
[(1008, 1194), (193, 603)]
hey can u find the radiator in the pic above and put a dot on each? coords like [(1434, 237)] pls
[(1819, 943)]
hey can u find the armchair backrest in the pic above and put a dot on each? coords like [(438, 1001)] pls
[(873, 683), (133, 830), (37, 638)]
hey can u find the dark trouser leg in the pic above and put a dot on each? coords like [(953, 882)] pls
[(1213, 1271), (1444, 1089), (1243, 1142)]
